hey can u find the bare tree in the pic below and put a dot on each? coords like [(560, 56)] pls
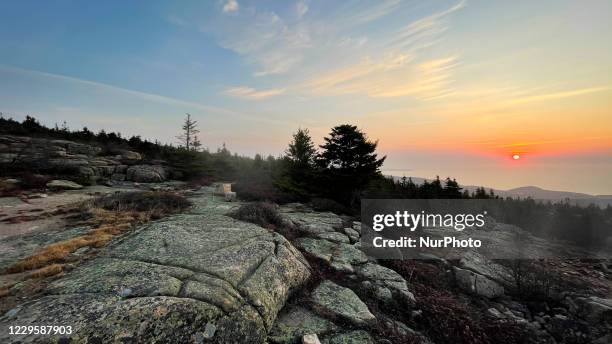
[(189, 139)]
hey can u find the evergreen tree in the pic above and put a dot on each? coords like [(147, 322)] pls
[(348, 162), (451, 189), (197, 145), (301, 150), (297, 173), (190, 131)]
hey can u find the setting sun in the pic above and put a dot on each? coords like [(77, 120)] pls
[(516, 156)]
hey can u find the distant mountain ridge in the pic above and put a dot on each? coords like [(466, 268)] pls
[(537, 193)]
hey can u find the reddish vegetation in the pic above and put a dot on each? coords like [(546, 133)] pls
[(446, 317)]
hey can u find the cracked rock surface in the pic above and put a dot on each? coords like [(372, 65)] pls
[(171, 280)]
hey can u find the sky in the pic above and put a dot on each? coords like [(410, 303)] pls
[(447, 87)]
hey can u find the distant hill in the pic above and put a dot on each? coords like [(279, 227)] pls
[(538, 193)]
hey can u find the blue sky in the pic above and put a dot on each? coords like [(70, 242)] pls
[(447, 87)]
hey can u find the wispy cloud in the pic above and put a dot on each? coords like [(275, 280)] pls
[(371, 13), (393, 76), (251, 93), (131, 93), (264, 39), (231, 6), (332, 56), (426, 27), (301, 7), (559, 95)]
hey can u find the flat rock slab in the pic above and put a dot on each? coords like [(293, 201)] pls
[(171, 280), (337, 302)]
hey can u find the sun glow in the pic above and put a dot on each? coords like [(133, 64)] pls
[(516, 156)]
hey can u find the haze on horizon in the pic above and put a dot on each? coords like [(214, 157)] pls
[(450, 88)]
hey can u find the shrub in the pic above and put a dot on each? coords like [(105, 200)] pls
[(157, 203), (260, 213), (448, 320), (197, 182), (261, 190), (536, 280), (326, 204), (33, 181)]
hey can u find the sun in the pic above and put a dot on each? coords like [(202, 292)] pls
[(516, 156)]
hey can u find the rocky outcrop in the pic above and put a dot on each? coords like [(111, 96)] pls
[(337, 309), (79, 162), (146, 173), (194, 277), (59, 184)]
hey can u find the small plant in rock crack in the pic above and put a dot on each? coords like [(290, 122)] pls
[(260, 213)]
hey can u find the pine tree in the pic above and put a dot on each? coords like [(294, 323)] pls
[(348, 162), (301, 150), (197, 145), (297, 173), (190, 131)]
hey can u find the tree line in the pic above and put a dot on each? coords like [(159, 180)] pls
[(333, 176)]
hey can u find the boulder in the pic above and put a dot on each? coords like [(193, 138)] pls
[(337, 302), (129, 157), (310, 339), (477, 284), (146, 173), (59, 184)]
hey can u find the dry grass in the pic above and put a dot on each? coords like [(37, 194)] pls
[(109, 216), (107, 224), (47, 271)]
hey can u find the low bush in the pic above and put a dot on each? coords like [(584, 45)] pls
[(252, 190), (538, 279), (33, 181), (326, 204), (448, 318), (197, 182), (260, 213), (154, 202)]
